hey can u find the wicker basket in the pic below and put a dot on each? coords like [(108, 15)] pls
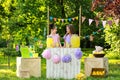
[(99, 55)]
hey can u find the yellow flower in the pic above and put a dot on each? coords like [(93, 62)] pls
[(80, 76)]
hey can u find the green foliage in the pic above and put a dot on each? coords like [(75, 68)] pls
[(3, 43), (112, 37), (25, 21)]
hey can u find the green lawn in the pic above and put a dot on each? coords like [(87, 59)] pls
[(10, 74)]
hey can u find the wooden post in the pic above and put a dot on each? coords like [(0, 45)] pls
[(48, 20), (80, 22)]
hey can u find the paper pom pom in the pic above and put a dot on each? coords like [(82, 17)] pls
[(49, 42), (56, 59), (66, 58), (46, 54), (75, 41), (78, 53)]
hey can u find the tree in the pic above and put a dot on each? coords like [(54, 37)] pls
[(22, 21)]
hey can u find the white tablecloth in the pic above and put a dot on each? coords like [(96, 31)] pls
[(63, 70)]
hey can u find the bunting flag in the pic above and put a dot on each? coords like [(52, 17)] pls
[(116, 22), (51, 18), (109, 22), (103, 23), (94, 33), (55, 19), (69, 19), (59, 20), (73, 19), (83, 19), (90, 21), (99, 30), (62, 20), (91, 37), (76, 18), (97, 22), (87, 36)]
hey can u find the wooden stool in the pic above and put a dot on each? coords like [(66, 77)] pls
[(95, 63)]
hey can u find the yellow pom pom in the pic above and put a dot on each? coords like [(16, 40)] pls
[(49, 42), (75, 41)]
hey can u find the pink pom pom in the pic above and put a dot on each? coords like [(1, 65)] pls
[(46, 54), (56, 59)]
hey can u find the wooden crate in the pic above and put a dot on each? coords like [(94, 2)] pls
[(98, 72), (31, 65), (91, 63), (63, 70)]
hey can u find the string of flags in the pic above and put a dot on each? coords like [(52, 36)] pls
[(63, 20), (91, 36), (104, 22)]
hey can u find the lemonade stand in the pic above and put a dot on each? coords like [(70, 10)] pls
[(63, 62)]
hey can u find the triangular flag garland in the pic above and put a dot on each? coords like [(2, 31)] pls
[(63, 20), (91, 36), (104, 22)]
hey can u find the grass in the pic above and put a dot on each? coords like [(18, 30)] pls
[(10, 74)]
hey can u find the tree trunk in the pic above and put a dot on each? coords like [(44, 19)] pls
[(62, 6), (8, 61), (61, 3)]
